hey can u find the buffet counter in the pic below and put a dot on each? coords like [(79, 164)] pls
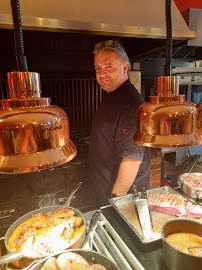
[(116, 240)]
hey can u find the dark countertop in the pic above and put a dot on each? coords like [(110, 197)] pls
[(22, 193)]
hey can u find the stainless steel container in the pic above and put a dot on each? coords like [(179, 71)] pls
[(175, 259), (91, 256), (189, 189), (19, 258)]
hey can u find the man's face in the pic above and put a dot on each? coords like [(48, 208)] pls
[(110, 71)]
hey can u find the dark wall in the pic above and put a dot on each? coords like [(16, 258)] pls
[(62, 54), (22, 193), (49, 53), (70, 54)]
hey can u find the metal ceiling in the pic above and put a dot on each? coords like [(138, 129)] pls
[(133, 18)]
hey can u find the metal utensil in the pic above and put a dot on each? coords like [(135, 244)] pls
[(143, 214), (150, 214), (190, 248), (68, 200), (189, 189)]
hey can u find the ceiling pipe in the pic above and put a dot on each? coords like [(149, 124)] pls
[(18, 37), (169, 38)]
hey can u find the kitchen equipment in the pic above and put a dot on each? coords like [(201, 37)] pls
[(175, 259), (124, 206), (34, 135), (191, 82), (18, 258), (187, 182), (199, 120), (112, 243), (167, 120), (143, 213), (86, 252), (194, 247), (158, 124), (150, 214)]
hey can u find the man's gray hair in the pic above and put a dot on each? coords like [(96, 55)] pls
[(113, 45)]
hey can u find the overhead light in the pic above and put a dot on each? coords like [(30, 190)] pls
[(199, 119), (34, 135), (167, 120)]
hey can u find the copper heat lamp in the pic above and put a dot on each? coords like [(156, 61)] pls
[(199, 119), (34, 135), (167, 120)]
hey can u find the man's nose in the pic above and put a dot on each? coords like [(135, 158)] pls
[(102, 72)]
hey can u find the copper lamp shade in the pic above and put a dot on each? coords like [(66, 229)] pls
[(167, 120), (199, 118), (34, 135)]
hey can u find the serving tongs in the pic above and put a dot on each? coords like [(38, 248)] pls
[(150, 214), (143, 210)]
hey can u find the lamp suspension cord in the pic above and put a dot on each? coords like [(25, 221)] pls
[(18, 37), (168, 38)]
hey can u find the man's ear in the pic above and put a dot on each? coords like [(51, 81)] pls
[(125, 67)]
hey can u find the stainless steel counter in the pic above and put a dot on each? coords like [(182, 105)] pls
[(116, 240)]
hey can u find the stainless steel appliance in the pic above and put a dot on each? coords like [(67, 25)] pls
[(190, 82)]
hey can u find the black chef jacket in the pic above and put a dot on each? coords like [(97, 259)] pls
[(113, 127)]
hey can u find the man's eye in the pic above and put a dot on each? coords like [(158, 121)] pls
[(97, 68), (109, 66)]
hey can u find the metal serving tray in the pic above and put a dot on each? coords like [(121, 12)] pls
[(125, 206)]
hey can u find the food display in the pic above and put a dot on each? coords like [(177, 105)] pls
[(173, 204), (182, 241), (70, 261), (192, 180), (191, 185), (46, 233)]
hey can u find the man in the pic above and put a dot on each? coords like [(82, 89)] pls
[(115, 161)]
